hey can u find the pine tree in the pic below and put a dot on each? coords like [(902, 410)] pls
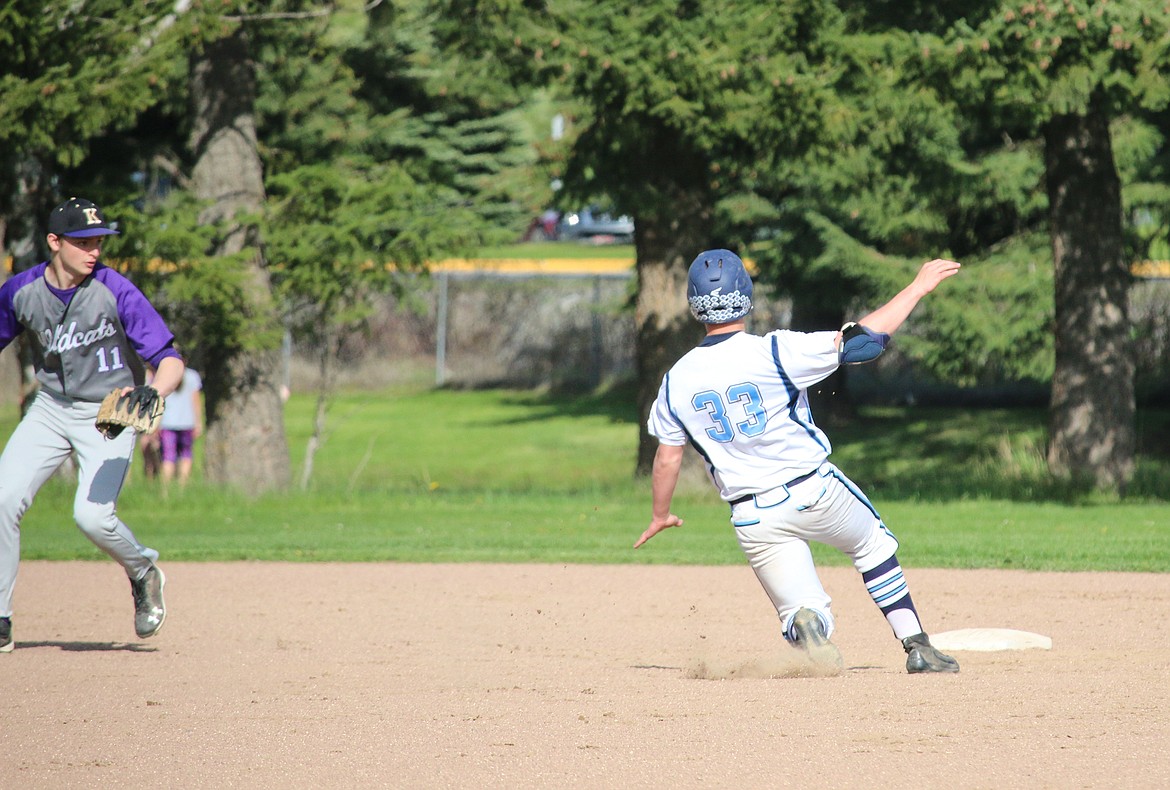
[(1064, 73)]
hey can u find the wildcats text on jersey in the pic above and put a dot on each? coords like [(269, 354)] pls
[(61, 339)]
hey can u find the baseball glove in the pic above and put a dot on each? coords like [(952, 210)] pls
[(141, 409)]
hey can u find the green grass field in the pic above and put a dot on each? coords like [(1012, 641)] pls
[(503, 476)]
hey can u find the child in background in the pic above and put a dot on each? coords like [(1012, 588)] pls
[(182, 424)]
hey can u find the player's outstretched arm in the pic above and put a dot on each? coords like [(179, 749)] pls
[(893, 313), (667, 463)]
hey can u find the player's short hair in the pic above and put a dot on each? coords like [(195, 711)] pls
[(719, 289)]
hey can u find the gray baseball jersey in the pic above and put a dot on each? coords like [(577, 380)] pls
[(85, 340)]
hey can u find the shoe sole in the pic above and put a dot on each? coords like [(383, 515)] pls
[(821, 651), (162, 583), (7, 648)]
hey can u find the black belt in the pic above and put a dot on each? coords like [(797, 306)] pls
[(789, 484)]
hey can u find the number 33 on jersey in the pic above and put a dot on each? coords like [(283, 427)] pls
[(750, 417)]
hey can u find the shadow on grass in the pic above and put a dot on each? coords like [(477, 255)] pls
[(941, 454), (617, 404), (927, 453)]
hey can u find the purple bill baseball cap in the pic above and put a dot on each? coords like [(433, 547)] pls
[(79, 218)]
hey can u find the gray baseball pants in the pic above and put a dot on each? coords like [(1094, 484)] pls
[(53, 428)]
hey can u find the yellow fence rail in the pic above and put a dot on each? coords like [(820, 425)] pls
[(1143, 270)]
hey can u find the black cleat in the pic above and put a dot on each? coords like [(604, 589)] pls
[(149, 609), (921, 656)]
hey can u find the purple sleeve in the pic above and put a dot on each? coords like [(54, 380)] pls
[(144, 326), (9, 326)]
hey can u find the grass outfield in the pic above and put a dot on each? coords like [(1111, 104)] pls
[(502, 476)]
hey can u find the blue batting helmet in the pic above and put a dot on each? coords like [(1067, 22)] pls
[(719, 289)]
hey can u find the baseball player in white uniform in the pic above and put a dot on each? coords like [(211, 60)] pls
[(89, 329), (741, 401)]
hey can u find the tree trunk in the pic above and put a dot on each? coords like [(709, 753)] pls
[(245, 444), (22, 238), (665, 329), (1092, 416)]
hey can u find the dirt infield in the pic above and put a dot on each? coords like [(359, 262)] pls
[(385, 675)]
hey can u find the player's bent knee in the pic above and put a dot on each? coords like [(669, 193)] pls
[(878, 548), (95, 520)]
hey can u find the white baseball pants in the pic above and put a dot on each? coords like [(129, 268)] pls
[(774, 530)]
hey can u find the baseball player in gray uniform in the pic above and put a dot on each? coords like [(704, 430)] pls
[(741, 401), (90, 330)]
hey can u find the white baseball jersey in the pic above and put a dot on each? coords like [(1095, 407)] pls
[(741, 401)]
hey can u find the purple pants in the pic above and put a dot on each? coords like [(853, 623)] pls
[(176, 444)]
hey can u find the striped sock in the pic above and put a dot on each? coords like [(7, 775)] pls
[(887, 587)]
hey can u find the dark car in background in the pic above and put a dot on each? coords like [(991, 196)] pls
[(596, 227)]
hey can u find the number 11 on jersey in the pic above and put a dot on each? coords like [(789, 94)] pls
[(114, 363)]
